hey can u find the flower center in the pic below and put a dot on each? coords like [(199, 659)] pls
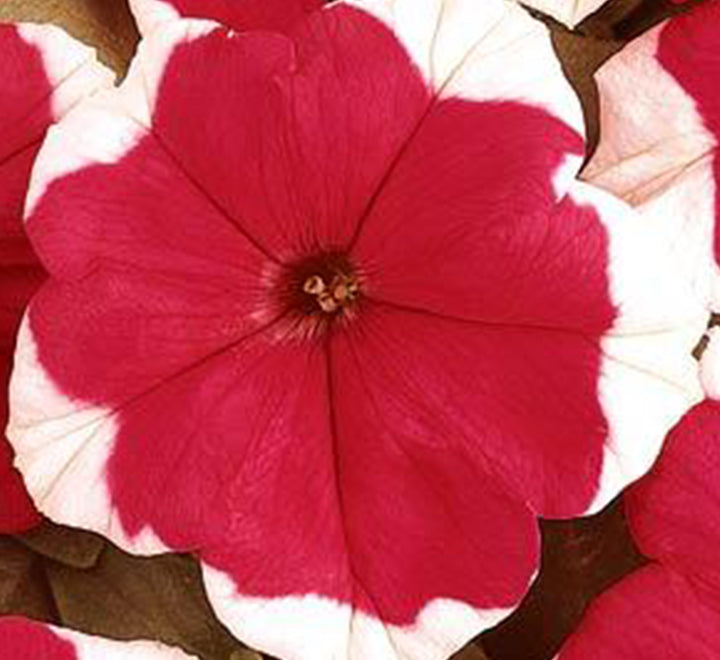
[(323, 285)]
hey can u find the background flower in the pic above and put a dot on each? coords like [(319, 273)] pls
[(659, 151), (42, 74), (22, 639), (671, 607)]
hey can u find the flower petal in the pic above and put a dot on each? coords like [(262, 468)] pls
[(659, 152), (418, 553), (44, 72), (673, 512), (242, 449), (585, 265), (654, 613), (674, 517), (482, 51), (22, 639), (276, 15)]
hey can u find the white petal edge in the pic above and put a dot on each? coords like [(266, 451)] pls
[(648, 377), (645, 143), (90, 647), (311, 627), (71, 67), (491, 50), (60, 443), (105, 127), (568, 12)]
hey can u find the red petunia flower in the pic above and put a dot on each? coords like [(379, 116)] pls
[(671, 607), (330, 311), (277, 15), (660, 118), (22, 639), (42, 74)]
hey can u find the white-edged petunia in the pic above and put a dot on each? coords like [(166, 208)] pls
[(329, 309), (43, 73)]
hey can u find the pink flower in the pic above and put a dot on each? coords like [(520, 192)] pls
[(660, 118), (330, 311), (36, 87), (22, 639), (279, 15)]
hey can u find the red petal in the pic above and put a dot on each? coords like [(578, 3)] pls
[(276, 15), (25, 113), (655, 614), (309, 131), (44, 72), (674, 512), (21, 639), (249, 14), (486, 238), (523, 402)]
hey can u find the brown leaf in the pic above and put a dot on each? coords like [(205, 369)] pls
[(104, 24), (580, 559), (471, 652), (64, 545), (23, 584), (126, 597)]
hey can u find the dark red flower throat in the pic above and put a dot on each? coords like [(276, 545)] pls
[(324, 286)]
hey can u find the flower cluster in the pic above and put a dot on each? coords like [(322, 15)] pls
[(320, 294)]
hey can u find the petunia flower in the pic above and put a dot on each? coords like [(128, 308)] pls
[(670, 608), (22, 639), (330, 311), (278, 15), (660, 125), (42, 74), (569, 12)]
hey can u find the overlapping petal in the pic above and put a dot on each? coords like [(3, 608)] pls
[(659, 152), (339, 480), (22, 639), (42, 74), (279, 15)]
